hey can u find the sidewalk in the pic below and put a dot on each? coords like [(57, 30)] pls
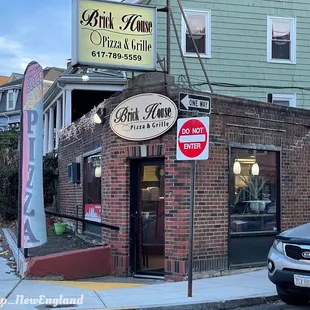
[(225, 292), (212, 290), (8, 279)]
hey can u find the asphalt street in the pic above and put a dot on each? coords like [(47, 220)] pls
[(276, 306)]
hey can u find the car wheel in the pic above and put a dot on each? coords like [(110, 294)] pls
[(290, 299)]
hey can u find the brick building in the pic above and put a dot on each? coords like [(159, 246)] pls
[(140, 187)]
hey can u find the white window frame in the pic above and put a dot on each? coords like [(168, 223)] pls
[(270, 19), (126, 1), (8, 108), (207, 53), (287, 97)]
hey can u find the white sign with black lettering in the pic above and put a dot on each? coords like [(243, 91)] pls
[(143, 117)]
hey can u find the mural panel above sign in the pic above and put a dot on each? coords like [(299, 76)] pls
[(105, 34), (143, 117)]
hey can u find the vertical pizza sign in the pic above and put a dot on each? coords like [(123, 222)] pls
[(32, 216)]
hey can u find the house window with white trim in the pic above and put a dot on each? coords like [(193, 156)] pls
[(281, 39), (283, 99), (10, 105), (200, 26)]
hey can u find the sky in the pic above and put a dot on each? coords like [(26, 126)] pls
[(38, 30)]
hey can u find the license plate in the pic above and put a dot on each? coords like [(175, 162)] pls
[(302, 281)]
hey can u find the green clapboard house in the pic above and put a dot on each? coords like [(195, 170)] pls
[(254, 49)]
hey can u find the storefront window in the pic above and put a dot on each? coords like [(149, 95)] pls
[(92, 193), (254, 191)]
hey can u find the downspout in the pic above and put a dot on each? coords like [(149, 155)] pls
[(7, 121)]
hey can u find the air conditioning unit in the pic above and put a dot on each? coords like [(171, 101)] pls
[(74, 173)]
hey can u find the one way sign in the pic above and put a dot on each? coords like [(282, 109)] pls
[(190, 102)]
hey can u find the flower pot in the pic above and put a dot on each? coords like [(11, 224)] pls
[(49, 222), (257, 206), (60, 228)]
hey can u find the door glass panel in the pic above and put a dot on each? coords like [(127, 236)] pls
[(152, 215)]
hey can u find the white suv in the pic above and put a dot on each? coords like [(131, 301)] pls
[(289, 265)]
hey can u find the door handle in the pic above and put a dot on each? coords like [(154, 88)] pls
[(134, 215)]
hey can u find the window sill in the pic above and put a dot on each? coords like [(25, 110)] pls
[(278, 61), (284, 105), (10, 109), (194, 55), (96, 236), (253, 233), (237, 216)]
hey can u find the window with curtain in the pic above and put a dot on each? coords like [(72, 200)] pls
[(281, 39), (200, 26)]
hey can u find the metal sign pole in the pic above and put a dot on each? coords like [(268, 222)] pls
[(191, 230), (189, 133)]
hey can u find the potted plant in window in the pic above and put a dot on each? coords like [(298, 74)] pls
[(254, 186)]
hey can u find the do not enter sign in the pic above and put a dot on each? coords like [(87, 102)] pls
[(193, 138)]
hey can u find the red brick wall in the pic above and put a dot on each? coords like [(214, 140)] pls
[(232, 120), (72, 150)]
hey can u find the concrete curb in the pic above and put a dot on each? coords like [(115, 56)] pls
[(17, 253), (223, 305)]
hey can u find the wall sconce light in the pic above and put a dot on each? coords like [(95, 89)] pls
[(237, 167), (98, 172), (255, 169), (99, 116), (85, 78)]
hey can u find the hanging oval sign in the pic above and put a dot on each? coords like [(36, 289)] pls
[(143, 117)]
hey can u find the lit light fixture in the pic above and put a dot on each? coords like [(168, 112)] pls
[(99, 116), (255, 169), (250, 161), (85, 78), (98, 172), (237, 167)]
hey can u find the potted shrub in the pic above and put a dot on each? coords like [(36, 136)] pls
[(60, 228), (254, 186)]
